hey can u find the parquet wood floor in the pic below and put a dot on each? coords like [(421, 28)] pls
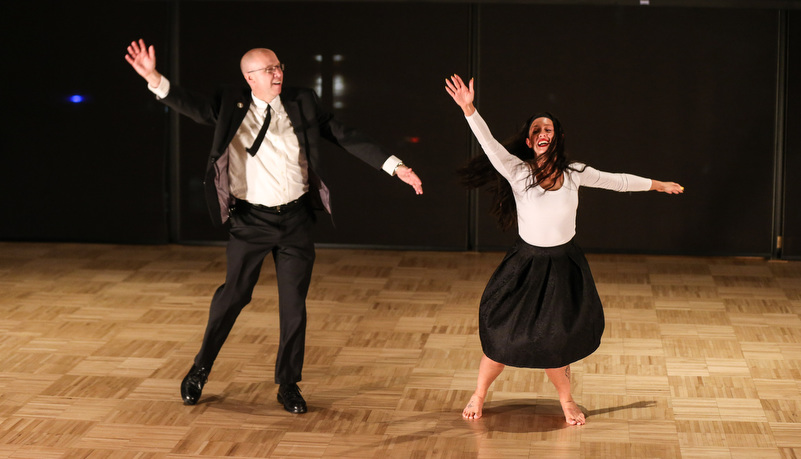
[(701, 358)]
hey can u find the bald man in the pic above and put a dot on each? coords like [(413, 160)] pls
[(263, 176)]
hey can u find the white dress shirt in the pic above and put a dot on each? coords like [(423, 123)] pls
[(278, 173)]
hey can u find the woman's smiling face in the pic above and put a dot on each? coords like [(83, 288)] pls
[(540, 135)]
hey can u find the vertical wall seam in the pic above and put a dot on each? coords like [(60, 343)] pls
[(174, 147), (474, 65), (779, 144)]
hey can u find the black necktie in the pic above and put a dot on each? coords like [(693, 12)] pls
[(257, 143)]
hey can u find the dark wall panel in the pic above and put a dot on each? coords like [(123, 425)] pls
[(381, 67), (792, 203), (91, 171), (674, 94)]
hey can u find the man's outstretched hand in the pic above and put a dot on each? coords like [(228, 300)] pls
[(143, 59), (407, 175)]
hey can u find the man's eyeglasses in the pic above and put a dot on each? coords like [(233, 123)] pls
[(269, 70)]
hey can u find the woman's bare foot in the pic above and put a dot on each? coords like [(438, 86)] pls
[(474, 407), (573, 414)]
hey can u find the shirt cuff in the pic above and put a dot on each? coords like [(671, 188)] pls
[(162, 89), (391, 164)]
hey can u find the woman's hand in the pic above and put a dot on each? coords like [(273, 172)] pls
[(667, 187), (462, 94)]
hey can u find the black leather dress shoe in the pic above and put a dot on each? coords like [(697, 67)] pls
[(192, 385), (289, 396)]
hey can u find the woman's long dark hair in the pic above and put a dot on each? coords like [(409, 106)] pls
[(479, 171)]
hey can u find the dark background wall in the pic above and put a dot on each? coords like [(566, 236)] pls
[(706, 96)]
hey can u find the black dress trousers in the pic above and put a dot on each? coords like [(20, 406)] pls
[(254, 233)]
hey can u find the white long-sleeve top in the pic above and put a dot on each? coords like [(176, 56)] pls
[(547, 218)]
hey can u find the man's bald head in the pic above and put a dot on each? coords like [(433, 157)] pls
[(256, 58), (262, 70)]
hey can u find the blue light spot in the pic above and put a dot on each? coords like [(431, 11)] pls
[(76, 99)]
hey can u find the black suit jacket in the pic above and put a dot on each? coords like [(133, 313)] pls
[(227, 109)]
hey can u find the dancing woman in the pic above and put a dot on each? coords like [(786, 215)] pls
[(540, 309)]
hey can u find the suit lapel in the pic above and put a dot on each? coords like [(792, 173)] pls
[(321, 196), (292, 108), (237, 111)]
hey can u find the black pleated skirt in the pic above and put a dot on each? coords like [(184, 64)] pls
[(541, 309)]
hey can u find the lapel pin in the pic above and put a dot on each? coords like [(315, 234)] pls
[(239, 105)]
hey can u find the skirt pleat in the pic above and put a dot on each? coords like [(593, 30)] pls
[(541, 309)]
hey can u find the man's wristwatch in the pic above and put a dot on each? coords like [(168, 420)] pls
[(395, 171)]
